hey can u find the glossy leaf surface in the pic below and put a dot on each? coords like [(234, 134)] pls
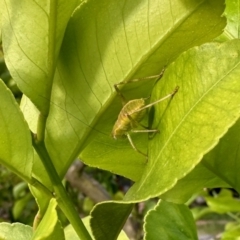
[(107, 42), (15, 231), (32, 33), (16, 150), (206, 105), (170, 221)]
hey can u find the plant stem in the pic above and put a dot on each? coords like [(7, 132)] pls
[(64, 202), (42, 120), (35, 183)]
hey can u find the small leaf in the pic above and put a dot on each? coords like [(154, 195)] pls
[(42, 199), (199, 178), (20, 205), (15, 231), (108, 219), (170, 221), (232, 231), (223, 203), (224, 159), (49, 228), (16, 151)]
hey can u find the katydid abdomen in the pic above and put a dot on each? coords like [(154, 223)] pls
[(128, 117)]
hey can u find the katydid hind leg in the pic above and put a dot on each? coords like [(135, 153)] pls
[(133, 146), (157, 101), (136, 122), (145, 130), (123, 99), (159, 76)]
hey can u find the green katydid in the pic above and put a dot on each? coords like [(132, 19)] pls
[(133, 112)]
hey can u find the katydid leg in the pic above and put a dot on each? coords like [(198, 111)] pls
[(133, 146), (159, 100), (123, 99)]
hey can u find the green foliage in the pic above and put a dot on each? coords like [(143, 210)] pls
[(49, 228), (15, 231), (170, 221), (66, 57), (71, 235), (232, 232), (103, 226), (16, 150), (223, 204)]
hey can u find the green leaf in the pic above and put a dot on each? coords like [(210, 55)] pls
[(199, 178), (49, 228), (191, 124), (30, 112), (232, 232), (20, 205), (32, 34), (218, 168), (223, 203), (107, 42), (42, 199), (170, 221), (19, 190), (224, 159), (71, 235), (15, 231), (16, 151), (108, 219)]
